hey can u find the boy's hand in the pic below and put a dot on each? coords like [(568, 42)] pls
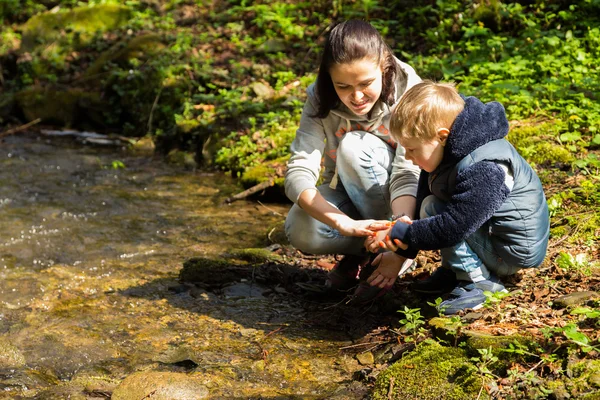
[(395, 244), (388, 266)]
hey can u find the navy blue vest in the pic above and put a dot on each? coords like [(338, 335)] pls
[(521, 227)]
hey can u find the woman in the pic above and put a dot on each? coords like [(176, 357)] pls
[(345, 121)]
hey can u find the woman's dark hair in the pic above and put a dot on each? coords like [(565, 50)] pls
[(351, 41)]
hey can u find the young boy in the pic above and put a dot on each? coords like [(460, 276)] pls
[(480, 202)]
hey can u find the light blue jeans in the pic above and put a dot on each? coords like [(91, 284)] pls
[(473, 258), (364, 165)]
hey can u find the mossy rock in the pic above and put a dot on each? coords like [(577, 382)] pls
[(56, 105), (212, 271), (256, 255), (143, 45), (478, 341), (77, 26), (430, 372)]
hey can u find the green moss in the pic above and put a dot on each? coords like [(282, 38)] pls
[(478, 340), (559, 231), (255, 255), (430, 372), (538, 145), (81, 23), (268, 170)]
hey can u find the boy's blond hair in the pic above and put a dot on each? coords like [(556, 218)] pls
[(425, 108)]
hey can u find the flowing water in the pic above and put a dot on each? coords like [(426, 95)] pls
[(89, 259)]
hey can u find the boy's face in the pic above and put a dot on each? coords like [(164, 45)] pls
[(426, 154), (358, 84)]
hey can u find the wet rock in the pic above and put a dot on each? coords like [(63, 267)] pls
[(366, 358), (575, 299), (178, 356), (430, 372), (243, 290), (161, 386), (10, 356), (199, 293)]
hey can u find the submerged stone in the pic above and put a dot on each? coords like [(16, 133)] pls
[(161, 386), (10, 356), (430, 372)]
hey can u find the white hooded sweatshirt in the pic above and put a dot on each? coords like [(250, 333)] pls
[(318, 138)]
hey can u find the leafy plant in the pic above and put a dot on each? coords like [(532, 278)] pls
[(412, 323), (483, 363)]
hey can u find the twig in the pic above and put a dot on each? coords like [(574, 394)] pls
[(391, 389), (272, 332), (360, 344), (481, 389), (20, 128), (251, 191), (270, 209), (534, 367)]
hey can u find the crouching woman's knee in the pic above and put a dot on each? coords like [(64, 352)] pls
[(304, 232)]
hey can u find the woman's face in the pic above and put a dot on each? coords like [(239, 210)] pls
[(358, 84)]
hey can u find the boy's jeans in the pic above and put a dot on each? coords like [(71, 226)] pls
[(472, 258), (364, 164)]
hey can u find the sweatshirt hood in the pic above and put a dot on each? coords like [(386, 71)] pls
[(475, 126)]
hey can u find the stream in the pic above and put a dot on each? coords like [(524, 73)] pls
[(91, 244)]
